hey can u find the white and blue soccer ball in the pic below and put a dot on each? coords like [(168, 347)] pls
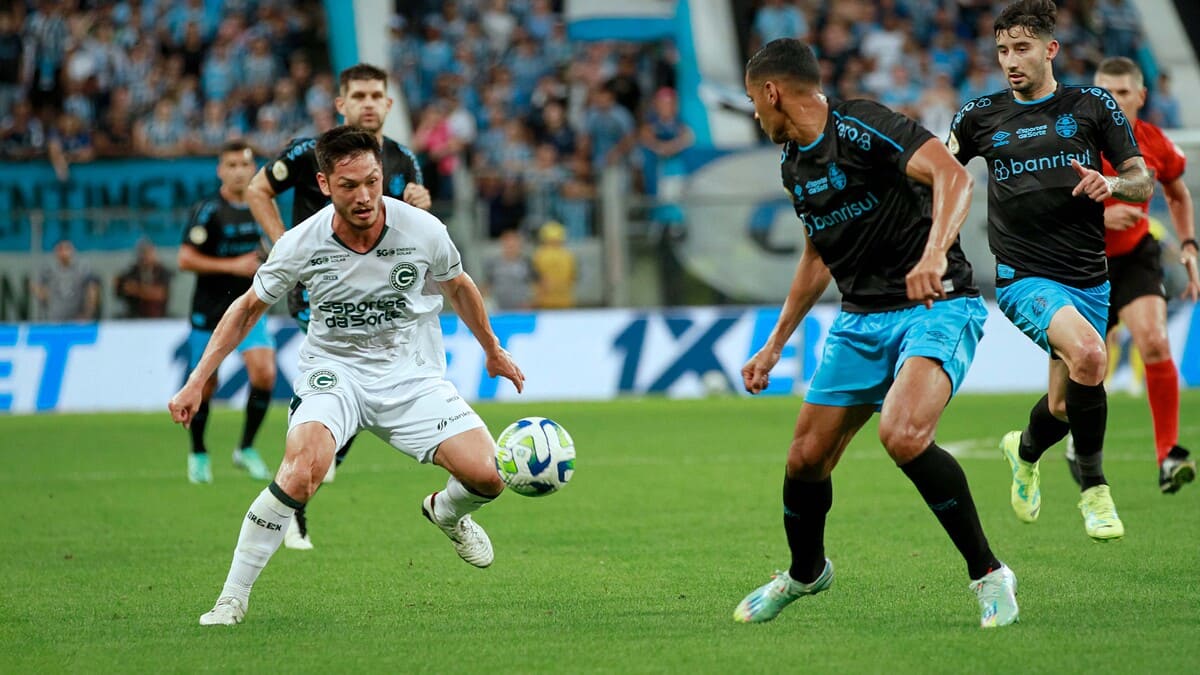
[(535, 456)]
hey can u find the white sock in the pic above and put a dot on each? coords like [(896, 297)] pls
[(262, 533), (456, 501)]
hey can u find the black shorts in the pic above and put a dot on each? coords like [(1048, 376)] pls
[(1133, 275)]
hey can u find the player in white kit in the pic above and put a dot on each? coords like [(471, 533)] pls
[(373, 358)]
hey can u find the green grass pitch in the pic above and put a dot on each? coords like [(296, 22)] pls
[(109, 555)]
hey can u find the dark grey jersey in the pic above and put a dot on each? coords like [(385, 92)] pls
[(1035, 227), (868, 220)]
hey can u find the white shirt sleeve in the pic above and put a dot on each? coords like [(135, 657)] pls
[(445, 261), (279, 274)]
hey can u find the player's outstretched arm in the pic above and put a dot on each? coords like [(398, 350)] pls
[(260, 197), (809, 281), (468, 304), (1132, 183), (190, 259), (933, 165), (229, 333), (1179, 203)]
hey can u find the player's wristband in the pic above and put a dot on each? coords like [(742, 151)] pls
[(1190, 242)]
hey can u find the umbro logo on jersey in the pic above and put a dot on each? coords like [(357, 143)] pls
[(403, 276), (1000, 138)]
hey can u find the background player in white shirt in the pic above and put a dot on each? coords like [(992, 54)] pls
[(373, 358)]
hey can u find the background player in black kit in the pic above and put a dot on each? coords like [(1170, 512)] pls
[(860, 175), (221, 244), (362, 102), (1043, 143)]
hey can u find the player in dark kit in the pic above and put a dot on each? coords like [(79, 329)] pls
[(363, 102), (221, 245), (860, 177), (1043, 143), (1135, 266)]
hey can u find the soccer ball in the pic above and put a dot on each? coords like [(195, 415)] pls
[(535, 456)]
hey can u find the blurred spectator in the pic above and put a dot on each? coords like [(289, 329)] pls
[(777, 19), (162, 134), (527, 67), (1120, 28), (938, 105), (609, 129), (544, 179), (578, 199), (260, 67), (70, 141), (898, 92), (664, 135), (508, 276), (145, 285), (320, 95), (624, 84), (192, 50), (268, 137), (213, 131), (435, 141), (555, 268), (114, 133), (1164, 107), (552, 128), (981, 80), (498, 25), (220, 73), (541, 20), (11, 62), (66, 289), (21, 134), (46, 36), (557, 48), (504, 196)]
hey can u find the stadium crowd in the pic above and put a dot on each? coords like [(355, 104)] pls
[(493, 86)]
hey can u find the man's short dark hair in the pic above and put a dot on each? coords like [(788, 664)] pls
[(1120, 65), (345, 141), (787, 58), (361, 71), (234, 145), (1037, 17)]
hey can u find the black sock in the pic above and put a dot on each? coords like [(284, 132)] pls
[(256, 410), (302, 520), (804, 508), (196, 429), (1044, 430), (344, 450), (1087, 408), (943, 485)]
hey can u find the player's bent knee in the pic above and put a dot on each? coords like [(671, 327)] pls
[(807, 462), (904, 442), (1090, 363), (1155, 348)]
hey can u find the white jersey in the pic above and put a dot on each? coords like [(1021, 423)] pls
[(370, 311)]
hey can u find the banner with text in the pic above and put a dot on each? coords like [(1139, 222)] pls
[(567, 355)]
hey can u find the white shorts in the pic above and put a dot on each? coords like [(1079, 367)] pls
[(413, 416)]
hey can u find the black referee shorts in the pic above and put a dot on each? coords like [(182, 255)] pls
[(1133, 275)]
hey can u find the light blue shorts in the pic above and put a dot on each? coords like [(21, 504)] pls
[(864, 352), (258, 338), (1031, 303)]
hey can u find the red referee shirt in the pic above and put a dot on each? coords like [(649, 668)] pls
[(1166, 163)]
